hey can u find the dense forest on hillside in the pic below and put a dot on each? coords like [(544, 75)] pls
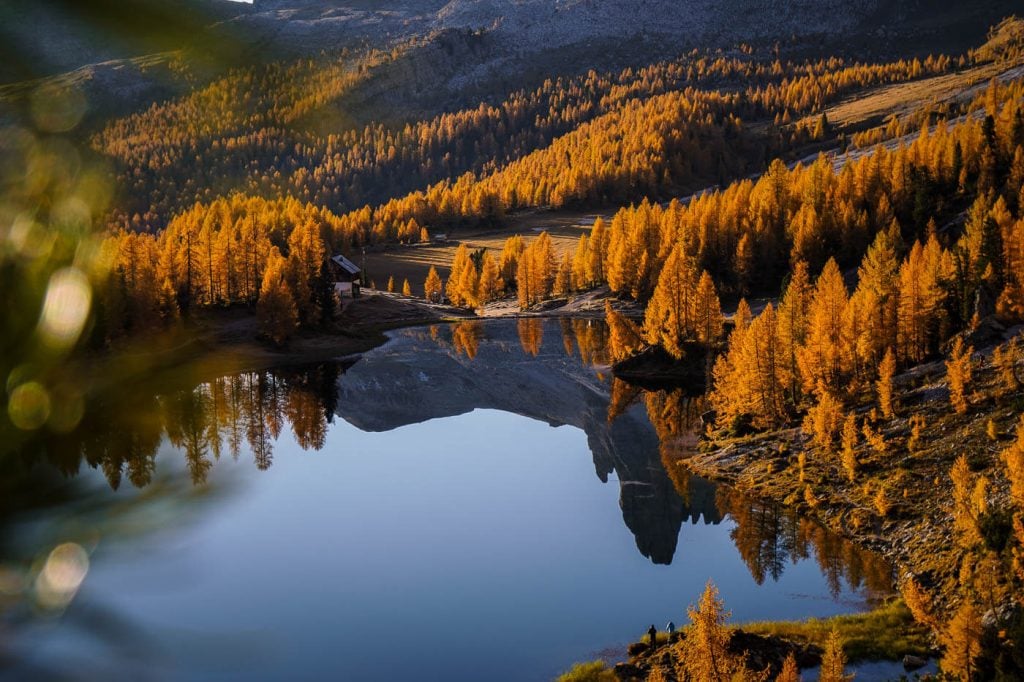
[(190, 165), (244, 132)]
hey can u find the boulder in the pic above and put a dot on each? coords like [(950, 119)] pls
[(626, 672), (911, 662)]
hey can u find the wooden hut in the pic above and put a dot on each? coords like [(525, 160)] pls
[(347, 276)]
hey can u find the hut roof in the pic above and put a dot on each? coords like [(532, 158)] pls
[(345, 264)]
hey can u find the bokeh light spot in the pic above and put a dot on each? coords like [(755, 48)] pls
[(29, 406), (66, 307), (73, 213), (62, 575), (57, 109)]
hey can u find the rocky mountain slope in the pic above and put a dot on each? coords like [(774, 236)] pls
[(468, 50), (528, 26)]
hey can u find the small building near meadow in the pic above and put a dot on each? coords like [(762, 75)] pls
[(347, 276)]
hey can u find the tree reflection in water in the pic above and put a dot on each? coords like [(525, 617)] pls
[(531, 334), (465, 337), (249, 410), (767, 536), (50, 513), (121, 435)]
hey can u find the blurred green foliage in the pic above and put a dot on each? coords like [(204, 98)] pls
[(40, 38), (54, 191)]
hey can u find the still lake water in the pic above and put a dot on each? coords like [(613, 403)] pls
[(466, 502)]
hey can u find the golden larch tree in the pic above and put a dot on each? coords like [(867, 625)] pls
[(535, 271), (1005, 358), (1013, 459), (624, 336), (745, 264), (706, 655), (460, 262), (919, 602), (759, 365), (491, 283), (824, 420), (833, 661), (432, 287), (509, 260), (579, 279), (790, 671), (596, 252), (824, 360), (968, 501), (1010, 305), (879, 275), (731, 393), (883, 386), (670, 317), (958, 375), (563, 276), (793, 316), (276, 311), (708, 315), (919, 301), (850, 463), (306, 254), (469, 285), (962, 642)]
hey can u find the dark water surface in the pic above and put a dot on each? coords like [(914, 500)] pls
[(464, 503)]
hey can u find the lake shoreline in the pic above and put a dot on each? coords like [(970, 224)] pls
[(885, 633), (914, 532), (214, 342)]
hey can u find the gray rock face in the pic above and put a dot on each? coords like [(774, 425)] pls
[(415, 378), (500, 39), (538, 23), (530, 26)]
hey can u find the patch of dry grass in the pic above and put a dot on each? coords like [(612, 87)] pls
[(414, 262), (886, 633)]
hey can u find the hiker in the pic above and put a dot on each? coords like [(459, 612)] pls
[(671, 627), (652, 632)]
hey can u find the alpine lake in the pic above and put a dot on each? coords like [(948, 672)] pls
[(476, 501)]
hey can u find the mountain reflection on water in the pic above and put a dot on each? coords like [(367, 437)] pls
[(159, 448), (551, 370), (547, 370), (437, 372)]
